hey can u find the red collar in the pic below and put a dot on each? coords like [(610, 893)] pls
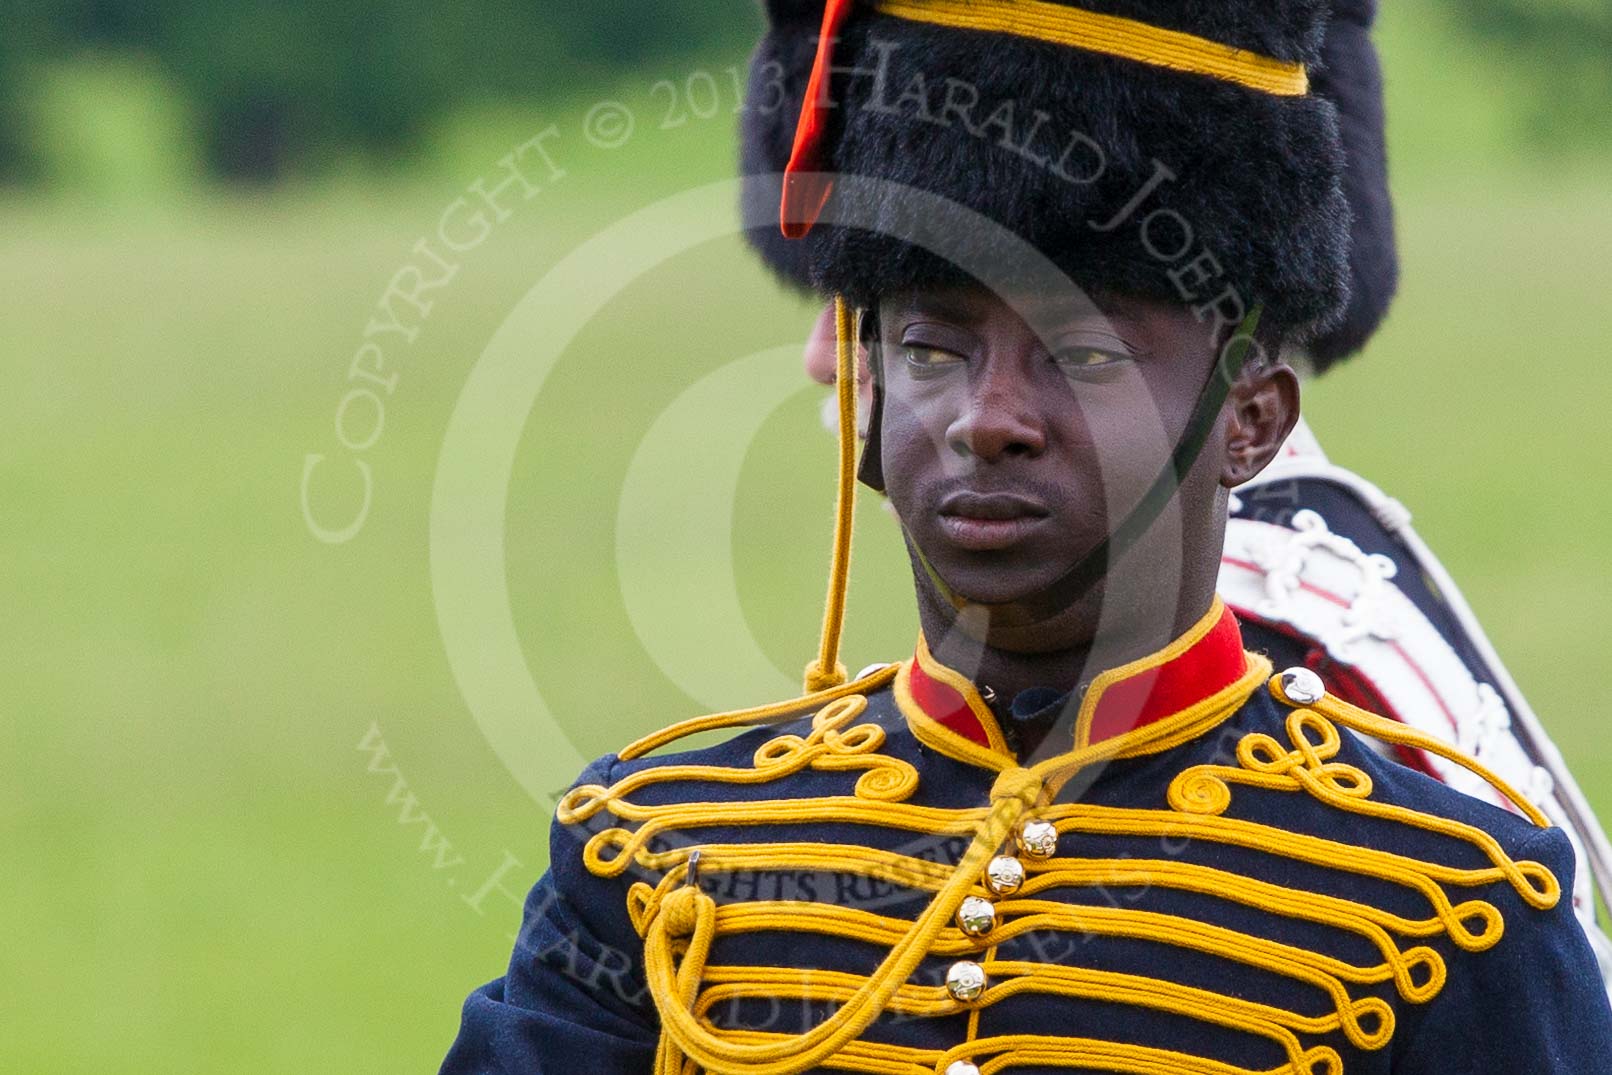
[(1205, 661)]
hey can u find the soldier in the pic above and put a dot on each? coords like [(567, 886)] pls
[(1083, 827), (1322, 568)]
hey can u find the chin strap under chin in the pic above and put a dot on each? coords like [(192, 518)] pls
[(1072, 584)]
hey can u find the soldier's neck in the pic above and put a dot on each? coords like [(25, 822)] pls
[(1066, 654)]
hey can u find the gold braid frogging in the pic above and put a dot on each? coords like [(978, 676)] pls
[(679, 922)]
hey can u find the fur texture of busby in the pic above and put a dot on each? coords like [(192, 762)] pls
[(1049, 141), (1351, 78)]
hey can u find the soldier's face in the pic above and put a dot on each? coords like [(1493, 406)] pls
[(1008, 452)]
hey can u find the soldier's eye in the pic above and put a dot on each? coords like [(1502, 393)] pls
[(929, 360), (1088, 361)]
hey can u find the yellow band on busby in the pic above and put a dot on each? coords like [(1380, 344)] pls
[(1111, 34)]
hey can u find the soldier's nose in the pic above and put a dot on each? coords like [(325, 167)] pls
[(1000, 422)]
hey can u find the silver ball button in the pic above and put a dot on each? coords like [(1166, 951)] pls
[(976, 916), (1038, 839), (965, 980), (1004, 875), (1301, 686)]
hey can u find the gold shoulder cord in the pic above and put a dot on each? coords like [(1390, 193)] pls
[(825, 676), (679, 922)]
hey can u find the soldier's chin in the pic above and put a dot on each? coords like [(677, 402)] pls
[(1005, 609), (1000, 594)]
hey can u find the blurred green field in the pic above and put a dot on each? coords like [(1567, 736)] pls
[(203, 870)]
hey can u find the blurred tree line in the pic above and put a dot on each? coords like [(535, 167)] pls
[(272, 88), (1567, 47), (282, 86)]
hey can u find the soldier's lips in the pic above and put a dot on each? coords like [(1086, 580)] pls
[(982, 522)]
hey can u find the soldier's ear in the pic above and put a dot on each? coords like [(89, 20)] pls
[(1262, 409)]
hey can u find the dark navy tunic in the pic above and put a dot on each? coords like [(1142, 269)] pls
[(1213, 905)]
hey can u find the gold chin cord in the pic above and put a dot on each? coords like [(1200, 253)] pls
[(826, 671)]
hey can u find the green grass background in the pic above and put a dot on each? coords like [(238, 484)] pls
[(199, 872)]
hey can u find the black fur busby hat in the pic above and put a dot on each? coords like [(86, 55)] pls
[(1351, 78), (1050, 119)]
